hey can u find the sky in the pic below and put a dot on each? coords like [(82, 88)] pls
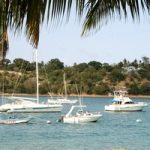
[(115, 41)]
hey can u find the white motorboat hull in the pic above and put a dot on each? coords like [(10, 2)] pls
[(14, 121), (81, 119), (125, 107)]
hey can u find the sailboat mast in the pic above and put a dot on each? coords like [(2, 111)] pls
[(37, 77), (65, 85)]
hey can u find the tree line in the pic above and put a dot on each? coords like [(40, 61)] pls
[(92, 78)]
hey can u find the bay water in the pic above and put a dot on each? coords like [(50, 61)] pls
[(114, 131)]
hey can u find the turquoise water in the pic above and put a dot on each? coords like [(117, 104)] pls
[(114, 131)]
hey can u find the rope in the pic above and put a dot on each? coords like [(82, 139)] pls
[(19, 78)]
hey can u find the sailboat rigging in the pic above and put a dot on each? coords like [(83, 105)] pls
[(25, 105), (80, 116), (64, 99)]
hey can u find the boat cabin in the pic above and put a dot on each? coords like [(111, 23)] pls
[(122, 102)]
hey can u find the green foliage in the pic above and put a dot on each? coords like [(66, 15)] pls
[(81, 67), (54, 64), (95, 64), (144, 73), (107, 67), (116, 75), (90, 78), (134, 89), (101, 89), (145, 88)]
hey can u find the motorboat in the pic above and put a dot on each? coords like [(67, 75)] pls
[(14, 120), (122, 102), (81, 116)]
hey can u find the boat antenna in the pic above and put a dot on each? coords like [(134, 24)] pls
[(80, 98), (3, 70), (49, 88), (65, 84)]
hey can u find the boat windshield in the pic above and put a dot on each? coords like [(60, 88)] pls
[(129, 102), (117, 102)]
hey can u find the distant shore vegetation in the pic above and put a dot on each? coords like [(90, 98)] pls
[(92, 78)]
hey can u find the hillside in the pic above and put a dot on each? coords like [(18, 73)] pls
[(93, 78)]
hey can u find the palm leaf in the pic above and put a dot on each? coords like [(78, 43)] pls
[(99, 12), (30, 14), (33, 13)]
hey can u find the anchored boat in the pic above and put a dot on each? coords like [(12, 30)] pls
[(122, 102)]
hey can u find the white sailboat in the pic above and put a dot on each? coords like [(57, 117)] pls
[(122, 102), (80, 116), (65, 99), (25, 105)]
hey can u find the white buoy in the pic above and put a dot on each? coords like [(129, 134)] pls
[(138, 120), (48, 122)]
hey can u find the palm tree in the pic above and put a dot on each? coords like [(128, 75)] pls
[(3, 33), (30, 15), (3, 43)]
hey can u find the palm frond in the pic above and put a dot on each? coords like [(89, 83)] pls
[(30, 14), (33, 13), (101, 11), (97, 13)]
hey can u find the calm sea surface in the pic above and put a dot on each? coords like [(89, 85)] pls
[(114, 131)]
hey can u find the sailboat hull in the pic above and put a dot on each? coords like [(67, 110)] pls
[(62, 101), (35, 110), (30, 108)]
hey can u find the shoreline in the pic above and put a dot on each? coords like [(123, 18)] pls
[(73, 95)]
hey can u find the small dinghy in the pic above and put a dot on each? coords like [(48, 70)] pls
[(14, 120)]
